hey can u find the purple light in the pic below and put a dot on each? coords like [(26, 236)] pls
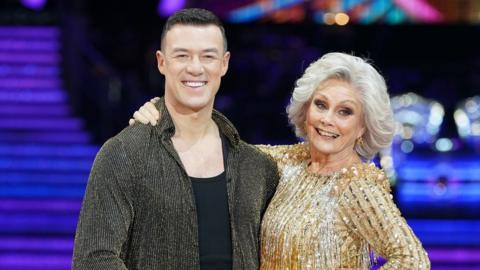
[(45, 137), (34, 261), (34, 4), (168, 7), (29, 44), (29, 58), (29, 83), (458, 255), (49, 205), (29, 31), (420, 10)]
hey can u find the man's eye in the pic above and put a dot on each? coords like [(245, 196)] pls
[(209, 57)]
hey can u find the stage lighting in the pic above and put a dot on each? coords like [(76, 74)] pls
[(467, 119), (417, 119)]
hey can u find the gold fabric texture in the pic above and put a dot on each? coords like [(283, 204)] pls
[(335, 220)]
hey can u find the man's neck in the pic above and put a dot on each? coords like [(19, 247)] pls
[(192, 125)]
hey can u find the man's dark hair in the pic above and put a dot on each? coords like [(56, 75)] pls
[(196, 17)]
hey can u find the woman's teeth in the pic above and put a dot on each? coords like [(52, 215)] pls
[(326, 133)]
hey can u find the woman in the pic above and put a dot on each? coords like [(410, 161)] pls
[(332, 207)]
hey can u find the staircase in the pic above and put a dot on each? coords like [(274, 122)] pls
[(45, 153)]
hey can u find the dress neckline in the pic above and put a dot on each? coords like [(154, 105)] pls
[(343, 170)]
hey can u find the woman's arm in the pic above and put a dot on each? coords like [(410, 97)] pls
[(368, 211), (147, 114)]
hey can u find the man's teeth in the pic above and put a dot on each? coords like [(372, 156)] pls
[(194, 84), (326, 133)]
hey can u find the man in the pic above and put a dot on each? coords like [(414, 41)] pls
[(186, 193)]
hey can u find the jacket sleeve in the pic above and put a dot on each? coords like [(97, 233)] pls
[(107, 212), (369, 211)]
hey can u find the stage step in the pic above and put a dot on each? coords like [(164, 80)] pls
[(34, 110), (20, 83), (34, 261), (65, 123), (48, 137), (28, 44), (16, 205), (37, 32), (45, 150), (37, 96), (29, 70), (31, 57), (43, 177)]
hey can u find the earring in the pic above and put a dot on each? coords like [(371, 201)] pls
[(360, 142)]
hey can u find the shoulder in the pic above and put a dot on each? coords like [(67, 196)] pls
[(134, 138), (128, 144), (285, 154), (134, 133), (252, 154), (251, 151), (362, 178)]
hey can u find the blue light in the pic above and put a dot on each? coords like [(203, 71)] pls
[(444, 145), (407, 146)]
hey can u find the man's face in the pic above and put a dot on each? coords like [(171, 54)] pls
[(193, 62)]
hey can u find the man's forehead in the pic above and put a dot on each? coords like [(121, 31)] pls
[(209, 29), (201, 37)]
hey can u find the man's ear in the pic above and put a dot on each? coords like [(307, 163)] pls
[(160, 61), (225, 61)]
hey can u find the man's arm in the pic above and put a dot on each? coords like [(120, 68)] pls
[(106, 214)]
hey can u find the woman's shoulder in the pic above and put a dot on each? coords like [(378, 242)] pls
[(360, 177), (287, 153)]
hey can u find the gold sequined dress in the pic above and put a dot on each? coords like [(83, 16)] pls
[(334, 220)]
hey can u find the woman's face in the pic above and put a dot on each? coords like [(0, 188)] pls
[(334, 119)]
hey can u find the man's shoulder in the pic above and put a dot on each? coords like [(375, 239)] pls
[(251, 152), (130, 139)]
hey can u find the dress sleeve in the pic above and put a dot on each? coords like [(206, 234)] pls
[(367, 209), (106, 214)]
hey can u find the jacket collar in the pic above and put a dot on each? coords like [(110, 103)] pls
[(166, 126)]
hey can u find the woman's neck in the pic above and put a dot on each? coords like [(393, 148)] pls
[(327, 163)]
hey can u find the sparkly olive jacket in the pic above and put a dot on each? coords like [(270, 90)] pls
[(139, 210)]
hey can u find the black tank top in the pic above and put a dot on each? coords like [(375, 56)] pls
[(214, 236)]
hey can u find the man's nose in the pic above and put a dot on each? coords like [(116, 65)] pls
[(195, 66)]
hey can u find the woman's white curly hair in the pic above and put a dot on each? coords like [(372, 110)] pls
[(378, 115)]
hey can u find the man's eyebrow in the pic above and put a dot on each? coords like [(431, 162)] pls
[(180, 50), (208, 50), (215, 50)]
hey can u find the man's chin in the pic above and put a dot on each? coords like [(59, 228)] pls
[(198, 105)]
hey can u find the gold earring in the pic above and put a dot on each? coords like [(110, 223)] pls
[(360, 142)]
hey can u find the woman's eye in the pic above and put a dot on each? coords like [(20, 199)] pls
[(320, 104), (345, 112)]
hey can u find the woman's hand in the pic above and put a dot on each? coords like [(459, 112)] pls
[(148, 113)]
